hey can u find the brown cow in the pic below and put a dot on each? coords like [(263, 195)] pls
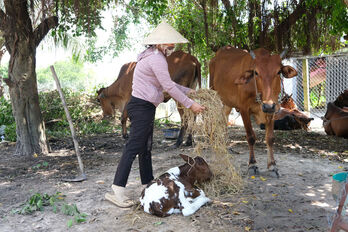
[(183, 68), (335, 120), (250, 83)]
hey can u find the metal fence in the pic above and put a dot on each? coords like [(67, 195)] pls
[(319, 81)]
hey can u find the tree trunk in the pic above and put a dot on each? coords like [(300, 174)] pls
[(21, 42), (30, 126)]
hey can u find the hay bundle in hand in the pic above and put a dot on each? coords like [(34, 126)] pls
[(210, 131)]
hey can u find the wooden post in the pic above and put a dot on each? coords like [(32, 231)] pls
[(71, 125), (305, 83)]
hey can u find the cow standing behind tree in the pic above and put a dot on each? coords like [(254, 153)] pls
[(250, 83), (184, 69)]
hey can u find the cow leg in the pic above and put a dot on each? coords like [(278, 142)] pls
[(251, 138), (271, 164), (124, 118), (183, 129), (227, 111)]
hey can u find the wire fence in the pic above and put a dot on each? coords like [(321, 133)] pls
[(319, 81)]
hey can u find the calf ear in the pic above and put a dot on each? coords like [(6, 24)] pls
[(187, 159), (244, 78), (288, 71)]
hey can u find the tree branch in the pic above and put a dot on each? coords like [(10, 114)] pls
[(44, 27), (231, 14), (292, 18), (3, 20)]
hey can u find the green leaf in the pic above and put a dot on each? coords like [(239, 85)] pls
[(70, 223), (54, 209), (39, 204)]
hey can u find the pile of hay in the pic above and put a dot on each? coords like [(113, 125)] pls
[(210, 133)]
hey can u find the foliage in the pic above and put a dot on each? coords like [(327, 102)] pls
[(165, 122), (317, 96), (72, 210), (40, 165), (71, 75), (82, 108), (38, 201), (3, 71), (6, 117), (10, 132), (308, 26)]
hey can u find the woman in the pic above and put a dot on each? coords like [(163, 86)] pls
[(151, 78)]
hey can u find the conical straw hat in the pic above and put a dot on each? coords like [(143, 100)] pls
[(164, 34)]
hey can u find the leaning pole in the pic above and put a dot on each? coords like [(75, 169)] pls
[(82, 177)]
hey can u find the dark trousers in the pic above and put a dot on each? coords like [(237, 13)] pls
[(141, 114)]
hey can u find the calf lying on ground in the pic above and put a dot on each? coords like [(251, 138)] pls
[(335, 120), (174, 191), (289, 117)]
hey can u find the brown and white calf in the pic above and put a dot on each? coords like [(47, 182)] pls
[(175, 192)]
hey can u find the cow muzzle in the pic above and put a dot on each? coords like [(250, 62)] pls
[(268, 108)]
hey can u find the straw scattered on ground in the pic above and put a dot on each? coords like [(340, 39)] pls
[(210, 132)]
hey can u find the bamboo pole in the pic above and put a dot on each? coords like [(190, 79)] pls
[(305, 83), (71, 125)]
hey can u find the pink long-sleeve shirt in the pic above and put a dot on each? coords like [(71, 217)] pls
[(151, 77)]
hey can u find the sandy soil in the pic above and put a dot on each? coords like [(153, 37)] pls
[(300, 200)]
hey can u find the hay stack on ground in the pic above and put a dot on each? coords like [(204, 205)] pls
[(210, 132)]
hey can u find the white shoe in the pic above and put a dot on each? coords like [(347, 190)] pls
[(119, 198)]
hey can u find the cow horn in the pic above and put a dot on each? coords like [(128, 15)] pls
[(252, 54), (282, 55)]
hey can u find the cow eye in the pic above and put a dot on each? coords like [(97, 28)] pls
[(256, 74), (280, 72)]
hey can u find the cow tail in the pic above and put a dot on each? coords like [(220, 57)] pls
[(198, 75), (211, 76)]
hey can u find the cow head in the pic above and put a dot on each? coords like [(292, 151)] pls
[(287, 102), (199, 169), (342, 99), (105, 103), (266, 70)]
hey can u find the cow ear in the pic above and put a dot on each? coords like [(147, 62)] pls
[(187, 159), (245, 78), (184, 157), (288, 71)]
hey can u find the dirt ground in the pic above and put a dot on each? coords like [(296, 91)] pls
[(300, 200)]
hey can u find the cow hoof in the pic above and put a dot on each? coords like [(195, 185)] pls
[(253, 171), (125, 136), (274, 172)]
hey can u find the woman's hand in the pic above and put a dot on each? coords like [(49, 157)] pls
[(197, 108)]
